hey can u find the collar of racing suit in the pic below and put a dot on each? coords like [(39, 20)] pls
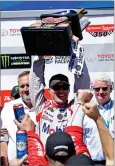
[(55, 105)]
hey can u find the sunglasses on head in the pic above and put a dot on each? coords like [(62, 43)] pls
[(23, 85), (60, 87), (103, 88)]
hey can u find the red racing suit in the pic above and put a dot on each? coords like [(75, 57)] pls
[(36, 152), (51, 117)]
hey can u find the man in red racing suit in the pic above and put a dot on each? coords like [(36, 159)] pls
[(53, 115)]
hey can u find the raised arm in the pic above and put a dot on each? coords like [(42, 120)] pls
[(75, 124), (36, 155), (107, 141), (37, 83)]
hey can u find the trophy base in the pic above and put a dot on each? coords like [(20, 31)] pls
[(47, 40)]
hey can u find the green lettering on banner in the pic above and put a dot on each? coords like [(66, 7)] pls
[(15, 61), (5, 61)]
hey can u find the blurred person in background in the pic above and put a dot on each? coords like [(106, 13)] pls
[(3, 131), (8, 144), (15, 93)]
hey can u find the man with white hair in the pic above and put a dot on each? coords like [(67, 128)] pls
[(102, 86)]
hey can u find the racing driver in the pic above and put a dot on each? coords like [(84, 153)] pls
[(53, 115)]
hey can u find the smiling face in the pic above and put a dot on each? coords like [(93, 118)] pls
[(23, 83), (102, 91), (59, 93)]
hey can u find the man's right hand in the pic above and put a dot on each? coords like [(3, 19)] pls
[(27, 124), (91, 110), (84, 96)]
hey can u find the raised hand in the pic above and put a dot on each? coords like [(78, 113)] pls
[(84, 96), (91, 110), (75, 38)]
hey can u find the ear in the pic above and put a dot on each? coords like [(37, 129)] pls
[(111, 88)]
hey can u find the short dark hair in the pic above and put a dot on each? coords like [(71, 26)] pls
[(23, 74), (80, 160), (15, 92)]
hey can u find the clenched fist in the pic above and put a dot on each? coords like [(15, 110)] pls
[(84, 96), (91, 110)]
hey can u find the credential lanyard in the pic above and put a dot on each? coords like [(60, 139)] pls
[(108, 121)]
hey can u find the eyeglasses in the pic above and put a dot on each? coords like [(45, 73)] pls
[(60, 87), (22, 86), (103, 88)]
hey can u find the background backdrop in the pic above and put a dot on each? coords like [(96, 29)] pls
[(98, 40)]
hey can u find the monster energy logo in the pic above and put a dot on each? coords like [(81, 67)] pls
[(5, 61)]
